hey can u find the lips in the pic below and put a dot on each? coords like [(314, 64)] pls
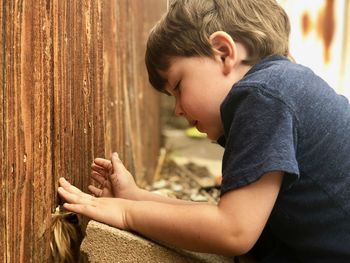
[(193, 123), (196, 124), (199, 128)]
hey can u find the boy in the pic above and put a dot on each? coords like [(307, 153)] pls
[(286, 166)]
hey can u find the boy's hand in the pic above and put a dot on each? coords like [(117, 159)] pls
[(110, 211), (113, 177)]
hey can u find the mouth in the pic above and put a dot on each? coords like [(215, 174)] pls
[(193, 123)]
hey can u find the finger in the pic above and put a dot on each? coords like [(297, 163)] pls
[(98, 178), (103, 163), (107, 184), (118, 167), (99, 169), (86, 210), (67, 186), (75, 198), (95, 190)]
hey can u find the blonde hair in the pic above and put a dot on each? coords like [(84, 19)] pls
[(66, 237), (262, 26)]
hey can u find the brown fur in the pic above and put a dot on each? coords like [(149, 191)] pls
[(66, 237)]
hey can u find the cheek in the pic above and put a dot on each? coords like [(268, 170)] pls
[(193, 101), (193, 107)]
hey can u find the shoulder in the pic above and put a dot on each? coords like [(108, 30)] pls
[(280, 80), (277, 75)]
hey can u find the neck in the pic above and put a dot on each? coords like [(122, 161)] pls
[(241, 68)]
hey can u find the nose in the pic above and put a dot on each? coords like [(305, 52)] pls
[(178, 109)]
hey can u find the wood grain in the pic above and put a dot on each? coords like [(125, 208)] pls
[(73, 86), (132, 107)]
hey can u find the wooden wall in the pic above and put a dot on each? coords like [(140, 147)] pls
[(72, 87), (133, 107)]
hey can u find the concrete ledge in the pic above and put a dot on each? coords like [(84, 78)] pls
[(107, 244)]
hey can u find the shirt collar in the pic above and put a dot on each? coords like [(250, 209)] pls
[(262, 63)]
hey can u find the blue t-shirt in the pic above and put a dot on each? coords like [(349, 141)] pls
[(283, 117)]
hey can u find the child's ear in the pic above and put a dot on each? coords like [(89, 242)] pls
[(225, 49)]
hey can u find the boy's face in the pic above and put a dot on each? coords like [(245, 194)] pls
[(199, 87)]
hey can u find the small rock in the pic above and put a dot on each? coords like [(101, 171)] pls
[(176, 187), (198, 198), (159, 184)]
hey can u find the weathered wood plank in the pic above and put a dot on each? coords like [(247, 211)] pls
[(56, 110), (39, 63), (79, 104), (17, 163), (3, 146), (132, 107)]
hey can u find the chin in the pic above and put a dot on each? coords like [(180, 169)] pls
[(213, 133), (212, 137)]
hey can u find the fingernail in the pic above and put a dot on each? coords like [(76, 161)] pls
[(62, 181)]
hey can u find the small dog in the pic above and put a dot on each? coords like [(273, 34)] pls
[(67, 236)]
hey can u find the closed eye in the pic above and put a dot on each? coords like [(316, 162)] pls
[(177, 87), (171, 92)]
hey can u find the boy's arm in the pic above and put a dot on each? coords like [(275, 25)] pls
[(229, 228), (145, 195)]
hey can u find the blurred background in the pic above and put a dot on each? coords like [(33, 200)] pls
[(320, 38)]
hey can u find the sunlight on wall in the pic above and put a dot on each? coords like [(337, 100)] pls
[(320, 38)]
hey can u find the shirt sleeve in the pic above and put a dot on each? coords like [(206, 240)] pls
[(262, 138)]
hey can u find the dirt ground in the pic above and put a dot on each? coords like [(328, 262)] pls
[(190, 168)]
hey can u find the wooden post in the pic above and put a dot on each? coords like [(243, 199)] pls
[(61, 68), (132, 107)]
